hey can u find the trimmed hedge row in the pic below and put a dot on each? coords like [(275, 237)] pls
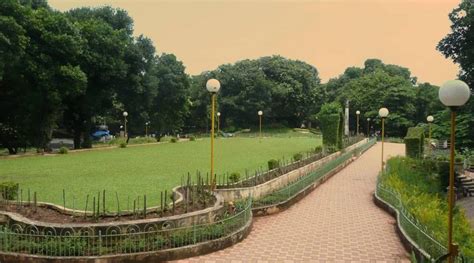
[(414, 142)]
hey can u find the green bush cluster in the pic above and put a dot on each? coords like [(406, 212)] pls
[(331, 124), (414, 142), (63, 150), (318, 149), (419, 184), (192, 138), (123, 145), (9, 190), (173, 140), (297, 157), (273, 164), (234, 177)]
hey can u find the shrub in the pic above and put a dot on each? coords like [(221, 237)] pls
[(63, 150), (173, 140), (234, 177), (192, 138), (414, 142), (318, 149), (273, 164), (443, 172), (9, 190), (330, 119), (297, 157), (123, 145)]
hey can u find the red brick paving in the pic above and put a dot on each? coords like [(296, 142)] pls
[(337, 222)]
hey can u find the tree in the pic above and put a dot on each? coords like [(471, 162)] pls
[(458, 45)]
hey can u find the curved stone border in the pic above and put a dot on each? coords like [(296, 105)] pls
[(281, 181), (276, 208), (408, 243), (201, 216), (155, 256)]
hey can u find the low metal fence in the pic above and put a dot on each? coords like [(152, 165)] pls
[(85, 242), (289, 191), (431, 248)]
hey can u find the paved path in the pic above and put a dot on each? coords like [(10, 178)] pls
[(338, 222)]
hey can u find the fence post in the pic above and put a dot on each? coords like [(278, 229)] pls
[(100, 243)]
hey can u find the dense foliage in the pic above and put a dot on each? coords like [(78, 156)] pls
[(414, 142), (458, 45), (418, 183), (287, 91), (381, 85), (73, 71), (330, 119)]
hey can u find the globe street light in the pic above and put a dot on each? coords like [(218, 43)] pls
[(383, 113), (218, 123), (357, 113), (453, 94), (146, 128), (213, 86), (125, 114), (368, 127), (260, 113), (429, 119)]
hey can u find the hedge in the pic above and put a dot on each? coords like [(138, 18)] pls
[(414, 142)]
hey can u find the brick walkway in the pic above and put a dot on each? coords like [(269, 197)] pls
[(338, 221)]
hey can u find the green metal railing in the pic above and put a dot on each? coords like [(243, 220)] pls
[(114, 240), (418, 233), (290, 190)]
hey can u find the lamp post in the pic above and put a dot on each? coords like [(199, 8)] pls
[(260, 113), (218, 123), (383, 113), (453, 94), (368, 127), (357, 113), (125, 114), (146, 128), (213, 86), (429, 119)]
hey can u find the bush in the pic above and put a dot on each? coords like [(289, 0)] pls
[(123, 145), (318, 149), (192, 138), (414, 142), (273, 164), (234, 177), (330, 119), (297, 157), (9, 190), (63, 150), (173, 140)]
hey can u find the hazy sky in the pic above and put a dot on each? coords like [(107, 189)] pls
[(329, 34)]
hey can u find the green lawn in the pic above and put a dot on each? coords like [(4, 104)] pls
[(140, 170)]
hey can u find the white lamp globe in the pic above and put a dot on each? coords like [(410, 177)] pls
[(368, 119), (260, 113), (383, 112), (430, 118), (213, 85), (357, 112), (454, 93), (218, 114), (125, 114)]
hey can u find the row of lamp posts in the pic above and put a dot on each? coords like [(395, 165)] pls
[(452, 94)]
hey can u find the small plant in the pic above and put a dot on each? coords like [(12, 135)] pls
[(318, 149), (173, 140), (273, 164), (458, 159), (123, 145), (63, 150), (192, 138), (297, 157), (9, 190), (234, 177)]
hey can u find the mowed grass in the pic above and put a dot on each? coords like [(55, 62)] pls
[(134, 171)]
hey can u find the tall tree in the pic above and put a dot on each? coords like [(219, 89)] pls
[(459, 46)]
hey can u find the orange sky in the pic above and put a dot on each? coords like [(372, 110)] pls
[(329, 34)]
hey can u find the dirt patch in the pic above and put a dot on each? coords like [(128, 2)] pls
[(50, 215)]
